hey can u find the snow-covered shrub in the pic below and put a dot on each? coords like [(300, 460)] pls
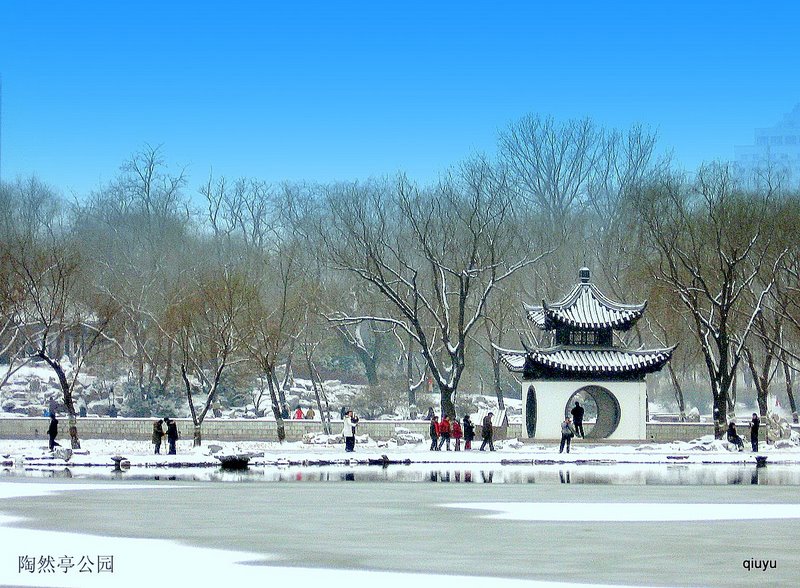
[(404, 436), (785, 444), (374, 401), (322, 439), (511, 444), (147, 402), (135, 405)]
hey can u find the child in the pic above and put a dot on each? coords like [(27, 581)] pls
[(457, 434)]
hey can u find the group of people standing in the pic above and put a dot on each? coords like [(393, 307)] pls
[(442, 431), (171, 434), (733, 436), (309, 414)]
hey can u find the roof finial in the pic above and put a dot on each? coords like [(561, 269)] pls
[(584, 274)]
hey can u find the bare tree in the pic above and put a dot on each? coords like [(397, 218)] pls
[(12, 347), (503, 314), (705, 241), (763, 353), (310, 345), (552, 164), (205, 321), (135, 230), (55, 306), (436, 256)]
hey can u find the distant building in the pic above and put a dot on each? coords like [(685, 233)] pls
[(777, 146)]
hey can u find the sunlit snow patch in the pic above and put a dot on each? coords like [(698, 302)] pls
[(629, 512)]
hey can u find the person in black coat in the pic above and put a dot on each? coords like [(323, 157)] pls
[(52, 431), (487, 432), (733, 436), (158, 435), (434, 431), (577, 419), (469, 432), (172, 435), (754, 425)]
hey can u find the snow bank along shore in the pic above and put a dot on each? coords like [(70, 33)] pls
[(325, 450)]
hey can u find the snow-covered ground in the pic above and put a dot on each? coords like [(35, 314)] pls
[(139, 453), (31, 387)]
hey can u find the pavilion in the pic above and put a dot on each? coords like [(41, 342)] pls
[(584, 364)]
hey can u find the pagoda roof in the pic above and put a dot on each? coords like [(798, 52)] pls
[(565, 361), (585, 307)]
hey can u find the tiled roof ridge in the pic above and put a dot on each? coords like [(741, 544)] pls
[(588, 359), (582, 348), (598, 311)]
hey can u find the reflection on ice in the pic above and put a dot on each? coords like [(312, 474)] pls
[(635, 475)]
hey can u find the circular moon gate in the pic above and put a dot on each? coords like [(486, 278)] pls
[(608, 411)]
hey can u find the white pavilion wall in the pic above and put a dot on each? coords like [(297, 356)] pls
[(552, 398)]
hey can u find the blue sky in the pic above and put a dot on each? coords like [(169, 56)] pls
[(342, 90)]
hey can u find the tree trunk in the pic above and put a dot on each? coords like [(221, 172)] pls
[(326, 425), (327, 412), (368, 359), (276, 407), (257, 398), (74, 440), (498, 390), (283, 387), (448, 408), (723, 385), (370, 368), (762, 386), (196, 422), (787, 373), (281, 397), (676, 385), (412, 388), (719, 393), (732, 394)]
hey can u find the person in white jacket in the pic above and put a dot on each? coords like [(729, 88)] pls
[(349, 424)]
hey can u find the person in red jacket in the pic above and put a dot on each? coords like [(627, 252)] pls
[(298, 414), (444, 432), (457, 434)]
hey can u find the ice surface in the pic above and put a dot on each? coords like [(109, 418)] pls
[(174, 564), (597, 512)]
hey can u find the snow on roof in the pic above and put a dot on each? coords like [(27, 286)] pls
[(607, 361), (586, 307)]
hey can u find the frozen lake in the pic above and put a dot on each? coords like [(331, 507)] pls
[(629, 526), (616, 474)]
